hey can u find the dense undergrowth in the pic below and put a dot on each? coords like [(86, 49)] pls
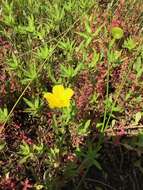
[(95, 49)]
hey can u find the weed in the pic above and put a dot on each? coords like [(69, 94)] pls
[(86, 63)]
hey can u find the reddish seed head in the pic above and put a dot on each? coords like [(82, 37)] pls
[(26, 185), (24, 137), (116, 23)]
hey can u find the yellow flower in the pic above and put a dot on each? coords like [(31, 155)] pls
[(59, 97)]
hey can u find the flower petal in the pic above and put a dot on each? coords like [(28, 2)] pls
[(52, 101), (58, 90), (66, 103), (68, 93), (59, 97)]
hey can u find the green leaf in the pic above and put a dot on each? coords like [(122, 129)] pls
[(130, 44), (87, 26), (45, 52), (3, 115), (95, 59), (113, 56), (23, 160), (138, 117), (38, 148), (96, 163), (78, 68), (117, 33), (31, 25), (13, 62), (29, 103), (24, 149), (137, 66), (2, 145), (83, 129), (30, 74), (82, 34), (88, 41), (34, 105)]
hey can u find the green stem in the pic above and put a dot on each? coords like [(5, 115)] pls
[(107, 94), (107, 87)]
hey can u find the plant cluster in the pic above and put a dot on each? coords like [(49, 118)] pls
[(70, 72)]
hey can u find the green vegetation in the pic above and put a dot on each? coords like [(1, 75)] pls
[(95, 50)]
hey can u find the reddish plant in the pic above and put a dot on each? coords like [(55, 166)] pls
[(100, 80), (24, 137), (83, 94), (120, 133), (26, 184), (8, 183)]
